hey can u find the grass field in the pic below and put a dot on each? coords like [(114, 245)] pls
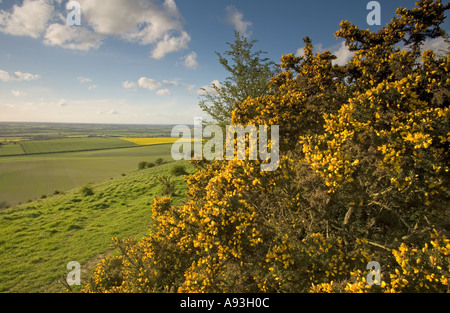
[(38, 239), (73, 144), (10, 149), (30, 176)]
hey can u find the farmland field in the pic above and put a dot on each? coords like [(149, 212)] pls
[(11, 149), (27, 177), (73, 144), (151, 141)]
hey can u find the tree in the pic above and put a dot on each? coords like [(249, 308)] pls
[(249, 75)]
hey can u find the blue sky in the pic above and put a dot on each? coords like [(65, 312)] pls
[(144, 62)]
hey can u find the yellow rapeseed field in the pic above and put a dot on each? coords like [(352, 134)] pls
[(151, 141)]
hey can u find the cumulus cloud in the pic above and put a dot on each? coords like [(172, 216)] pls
[(25, 76), (148, 83), (343, 54), (128, 85), (172, 83), (341, 51), (161, 87), (236, 18), (175, 83), (163, 92), (209, 89), (317, 48), (18, 93), (149, 22), (437, 45), (29, 19), (84, 79), (190, 61), (4, 76), (146, 22), (70, 37), (189, 86), (17, 76), (170, 44)]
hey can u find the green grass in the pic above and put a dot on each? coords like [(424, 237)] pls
[(38, 239), (73, 144), (28, 177), (10, 149)]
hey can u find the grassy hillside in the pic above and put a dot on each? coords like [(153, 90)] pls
[(38, 239), (30, 176)]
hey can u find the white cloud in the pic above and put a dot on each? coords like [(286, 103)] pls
[(175, 83), (146, 22), (113, 112), (170, 44), (62, 103), (142, 21), (343, 54), (189, 86), (437, 45), (171, 83), (18, 93), (317, 48), (163, 92), (25, 76), (190, 61), (341, 51), (17, 76), (128, 85), (236, 18), (71, 37), (84, 79), (30, 19), (300, 52), (151, 84), (209, 89), (4, 76), (148, 83)]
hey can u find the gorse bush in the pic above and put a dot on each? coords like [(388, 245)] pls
[(87, 191), (167, 185), (363, 176), (142, 165), (159, 161), (178, 170)]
